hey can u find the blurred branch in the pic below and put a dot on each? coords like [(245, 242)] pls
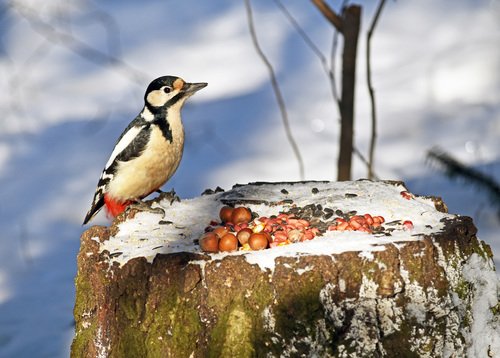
[(329, 70), (370, 88), (333, 55), (309, 42), (72, 43), (277, 91), (453, 168), (111, 27), (330, 15), (364, 161)]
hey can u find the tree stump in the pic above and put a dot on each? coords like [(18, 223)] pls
[(144, 288)]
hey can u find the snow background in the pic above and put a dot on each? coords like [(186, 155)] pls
[(435, 71)]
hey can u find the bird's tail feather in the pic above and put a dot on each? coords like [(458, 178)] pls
[(94, 209)]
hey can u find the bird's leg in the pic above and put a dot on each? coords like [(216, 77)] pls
[(171, 196), (142, 206)]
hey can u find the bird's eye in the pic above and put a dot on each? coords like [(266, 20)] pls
[(167, 89)]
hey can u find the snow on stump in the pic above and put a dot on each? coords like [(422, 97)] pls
[(419, 285)]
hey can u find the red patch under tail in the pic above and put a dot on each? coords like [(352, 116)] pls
[(114, 207)]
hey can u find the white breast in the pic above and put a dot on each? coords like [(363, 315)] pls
[(141, 176)]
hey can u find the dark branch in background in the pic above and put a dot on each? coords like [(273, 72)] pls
[(329, 69), (277, 91), (454, 169), (370, 88), (348, 25), (333, 54)]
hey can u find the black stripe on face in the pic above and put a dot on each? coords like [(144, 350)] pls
[(160, 117), (174, 99), (161, 111)]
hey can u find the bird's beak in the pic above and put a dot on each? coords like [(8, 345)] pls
[(191, 88)]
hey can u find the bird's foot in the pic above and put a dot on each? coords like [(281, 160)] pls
[(171, 196), (142, 206)]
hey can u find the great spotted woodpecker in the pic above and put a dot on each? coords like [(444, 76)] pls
[(148, 151)]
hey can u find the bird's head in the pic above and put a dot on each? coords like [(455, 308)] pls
[(168, 90)]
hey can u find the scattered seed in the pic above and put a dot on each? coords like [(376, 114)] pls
[(318, 213), (207, 192), (165, 222), (315, 190), (328, 215), (284, 191), (315, 221), (350, 195), (287, 201), (339, 212), (115, 254), (157, 247)]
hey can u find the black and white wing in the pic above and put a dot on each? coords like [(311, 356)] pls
[(129, 145)]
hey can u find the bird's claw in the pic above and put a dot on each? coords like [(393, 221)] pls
[(141, 206), (171, 196)]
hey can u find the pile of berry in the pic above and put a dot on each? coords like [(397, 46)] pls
[(240, 229)]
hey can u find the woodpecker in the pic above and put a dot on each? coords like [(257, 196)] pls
[(148, 151)]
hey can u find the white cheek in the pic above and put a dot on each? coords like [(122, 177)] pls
[(157, 98)]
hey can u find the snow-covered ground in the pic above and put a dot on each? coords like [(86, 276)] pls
[(65, 99)]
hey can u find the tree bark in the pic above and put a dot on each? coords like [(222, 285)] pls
[(410, 298)]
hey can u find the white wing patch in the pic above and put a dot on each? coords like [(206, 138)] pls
[(147, 115), (123, 143)]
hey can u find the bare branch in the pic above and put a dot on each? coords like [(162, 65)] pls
[(309, 42), (363, 160), (330, 15), (333, 82), (370, 88), (277, 91), (352, 22)]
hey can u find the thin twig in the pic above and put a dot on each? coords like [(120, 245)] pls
[(333, 82), (277, 91), (333, 55), (370, 88), (363, 160), (309, 42)]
